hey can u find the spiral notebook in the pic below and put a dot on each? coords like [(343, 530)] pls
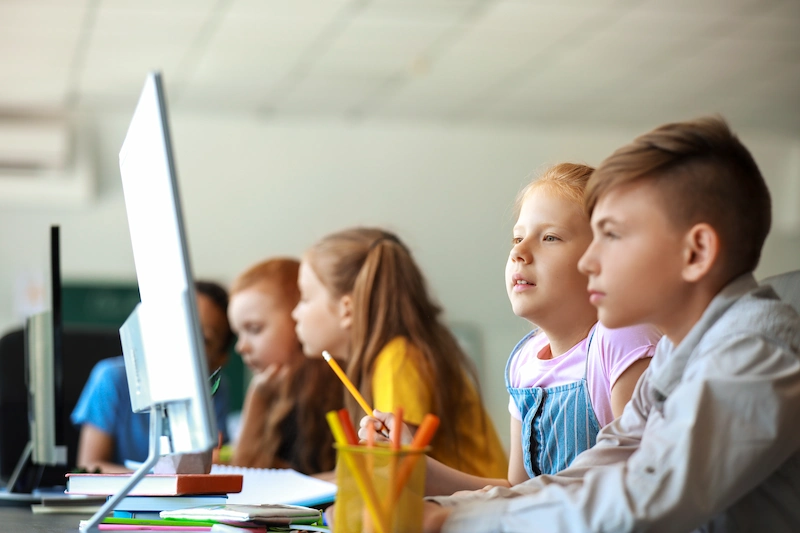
[(268, 485)]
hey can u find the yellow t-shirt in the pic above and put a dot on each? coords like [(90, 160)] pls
[(397, 381)]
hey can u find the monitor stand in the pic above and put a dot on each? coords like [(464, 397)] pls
[(170, 463), (22, 487), (157, 414)]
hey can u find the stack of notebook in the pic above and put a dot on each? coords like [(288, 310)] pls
[(157, 492), (155, 484), (150, 507)]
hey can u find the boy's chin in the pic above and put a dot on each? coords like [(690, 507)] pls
[(612, 320)]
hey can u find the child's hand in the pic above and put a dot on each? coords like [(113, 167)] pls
[(380, 419), (262, 382), (434, 516)]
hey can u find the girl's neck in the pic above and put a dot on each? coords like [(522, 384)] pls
[(564, 338), (341, 351)]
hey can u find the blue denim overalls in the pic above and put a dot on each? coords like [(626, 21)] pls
[(558, 423)]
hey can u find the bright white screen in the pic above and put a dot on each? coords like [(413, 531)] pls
[(170, 332)]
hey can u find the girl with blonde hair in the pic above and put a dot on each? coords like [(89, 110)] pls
[(570, 376)]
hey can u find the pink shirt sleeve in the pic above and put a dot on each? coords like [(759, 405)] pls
[(611, 353)]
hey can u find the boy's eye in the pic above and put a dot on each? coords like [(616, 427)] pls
[(516, 240), (609, 235), (550, 238)]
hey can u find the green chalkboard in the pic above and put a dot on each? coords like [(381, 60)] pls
[(87, 304)]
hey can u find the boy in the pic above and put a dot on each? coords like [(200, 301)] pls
[(710, 440), (110, 431)]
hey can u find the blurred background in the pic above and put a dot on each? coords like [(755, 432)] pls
[(294, 118)]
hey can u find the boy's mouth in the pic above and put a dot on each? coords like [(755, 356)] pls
[(595, 297)]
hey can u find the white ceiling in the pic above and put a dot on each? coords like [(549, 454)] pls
[(498, 61)]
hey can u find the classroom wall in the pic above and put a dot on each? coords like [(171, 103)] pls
[(253, 188)]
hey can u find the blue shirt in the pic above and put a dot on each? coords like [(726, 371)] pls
[(106, 404)]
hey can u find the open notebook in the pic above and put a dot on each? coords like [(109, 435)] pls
[(266, 485)]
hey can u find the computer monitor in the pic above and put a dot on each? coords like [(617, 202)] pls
[(162, 341), (44, 380), (44, 354)]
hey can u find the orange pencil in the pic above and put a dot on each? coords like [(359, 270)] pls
[(395, 446), (397, 419), (366, 523), (425, 431), (347, 426), (424, 435), (352, 388)]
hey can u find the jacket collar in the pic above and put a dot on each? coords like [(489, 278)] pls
[(670, 361)]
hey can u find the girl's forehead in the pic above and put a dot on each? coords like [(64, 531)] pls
[(544, 204)]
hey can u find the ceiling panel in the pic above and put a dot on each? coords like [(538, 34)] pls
[(439, 11), (514, 61), (781, 23), (647, 21), (694, 7), (41, 19), (533, 18), (259, 50), (29, 55), (290, 8), (118, 25), (320, 94), (378, 47), (125, 43)]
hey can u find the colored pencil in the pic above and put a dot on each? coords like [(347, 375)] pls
[(352, 388)]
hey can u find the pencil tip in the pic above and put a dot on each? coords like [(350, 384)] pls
[(326, 355)]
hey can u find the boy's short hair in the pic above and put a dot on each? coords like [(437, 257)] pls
[(703, 174), (219, 296)]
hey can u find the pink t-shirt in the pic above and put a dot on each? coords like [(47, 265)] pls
[(611, 353)]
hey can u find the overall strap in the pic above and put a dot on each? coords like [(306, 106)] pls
[(516, 350), (589, 347)]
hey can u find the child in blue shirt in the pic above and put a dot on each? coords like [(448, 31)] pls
[(111, 432)]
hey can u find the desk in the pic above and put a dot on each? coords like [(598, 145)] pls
[(21, 520)]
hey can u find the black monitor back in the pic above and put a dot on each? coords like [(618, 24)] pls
[(82, 349)]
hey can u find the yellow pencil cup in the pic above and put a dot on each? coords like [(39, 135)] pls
[(379, 490)]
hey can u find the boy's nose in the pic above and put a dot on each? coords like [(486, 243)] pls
[(587, 264)]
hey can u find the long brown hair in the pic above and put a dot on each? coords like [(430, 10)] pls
[(307, 391), (390, 299)]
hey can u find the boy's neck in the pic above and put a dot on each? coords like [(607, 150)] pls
[(678, 321)]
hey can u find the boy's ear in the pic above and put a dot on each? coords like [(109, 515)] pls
[(346, 311), (701, 250)]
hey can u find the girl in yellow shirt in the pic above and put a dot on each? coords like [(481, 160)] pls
[(364, 300)]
